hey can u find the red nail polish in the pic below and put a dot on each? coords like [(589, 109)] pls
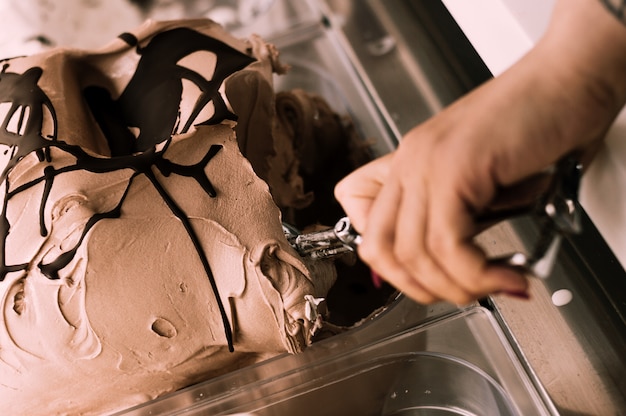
[(376, 280), (517, 294)]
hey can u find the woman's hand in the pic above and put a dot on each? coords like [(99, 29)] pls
[(416, 207)]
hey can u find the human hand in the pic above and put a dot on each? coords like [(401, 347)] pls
[(416, 208)]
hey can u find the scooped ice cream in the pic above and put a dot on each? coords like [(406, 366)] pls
[(139, 250)]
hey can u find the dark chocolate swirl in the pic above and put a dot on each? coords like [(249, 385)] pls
[(150, 104)]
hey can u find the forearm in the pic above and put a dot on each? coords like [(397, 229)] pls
[(585, 48)]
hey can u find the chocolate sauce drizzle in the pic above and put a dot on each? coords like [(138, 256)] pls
[(151, 103)]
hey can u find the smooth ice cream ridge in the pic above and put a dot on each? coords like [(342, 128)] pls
[(139, 249)]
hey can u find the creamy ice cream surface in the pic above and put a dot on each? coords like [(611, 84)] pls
[(139, 250)]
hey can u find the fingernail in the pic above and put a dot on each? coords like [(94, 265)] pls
[(517, 294), (376, 280)]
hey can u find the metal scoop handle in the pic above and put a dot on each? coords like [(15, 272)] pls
[(340, 239)]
